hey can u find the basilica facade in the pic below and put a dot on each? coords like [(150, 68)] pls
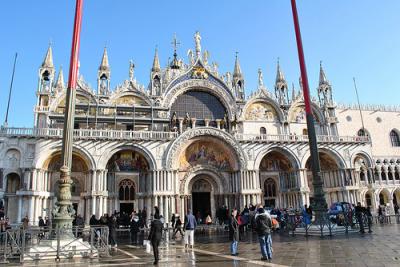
[(191, 139)]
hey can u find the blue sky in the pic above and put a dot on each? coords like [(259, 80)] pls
[(353, 38)]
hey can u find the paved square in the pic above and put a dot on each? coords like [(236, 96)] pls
[(381, 248)]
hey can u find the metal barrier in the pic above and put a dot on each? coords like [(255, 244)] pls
[(20, 245), (329, 224)]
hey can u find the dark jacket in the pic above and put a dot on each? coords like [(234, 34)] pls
[(156, 228), (233, 229), (135, 223), (190, 222), (263, 224)]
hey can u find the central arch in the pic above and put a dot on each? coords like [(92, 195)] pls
[(204, 187)]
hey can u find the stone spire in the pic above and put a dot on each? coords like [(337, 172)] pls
[(156, 62), (60, 79), (280, 77), (281, 87), (237, 71), (48, 60), (104, 65), (322, 76)]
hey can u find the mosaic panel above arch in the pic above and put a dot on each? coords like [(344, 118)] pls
[(127, 161), (261, 111), (207, 152), (298, 115)]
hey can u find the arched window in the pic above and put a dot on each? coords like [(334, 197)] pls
[(270, 188), (394, 138), (390, 175), (305, 131), (384, 176), (381, 199), (362, 176), (362, 132), (263, 130), (126, 190), (368, 200)]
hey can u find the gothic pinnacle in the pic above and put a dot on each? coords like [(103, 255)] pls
[(237, 71), (280, 77), (322, 76), (48, 60), (104, 61), (60, 79), (156, 62)]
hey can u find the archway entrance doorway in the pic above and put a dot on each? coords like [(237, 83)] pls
[(201, 199)]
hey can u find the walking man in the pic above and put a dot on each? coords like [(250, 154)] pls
[(359, 215), (155, 235), (190, 226), (234, 232), (263, 228), (177, 227)]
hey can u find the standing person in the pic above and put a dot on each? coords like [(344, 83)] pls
[(177, 227), (134, 228), (112, 228), (263, 229), (369, 218), (359, 215), (234, 232), (155, 235), (144, 217), (190, 226), (306, 215)]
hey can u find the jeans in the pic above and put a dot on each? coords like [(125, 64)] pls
[(266, 246), (234, 247)]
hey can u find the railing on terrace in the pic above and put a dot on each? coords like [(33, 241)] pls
[(155, 135), (300, 138), (88, 134)]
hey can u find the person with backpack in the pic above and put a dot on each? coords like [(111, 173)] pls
[(263, 229)]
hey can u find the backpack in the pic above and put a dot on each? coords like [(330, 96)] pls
[(261, 225)]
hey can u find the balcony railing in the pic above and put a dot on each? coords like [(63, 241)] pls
[(286, 138), (155, 135), (107, 134)]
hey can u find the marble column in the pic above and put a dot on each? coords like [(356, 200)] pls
[(207, 122)]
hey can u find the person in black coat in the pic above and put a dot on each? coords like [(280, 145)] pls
[(155, 236), (135, 224), (234, 232), (112, 228)]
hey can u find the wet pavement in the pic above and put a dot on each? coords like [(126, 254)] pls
[(381, 248)]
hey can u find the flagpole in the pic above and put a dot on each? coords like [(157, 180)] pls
[(319, 203), (10, 91), (359, 106), (64, 208)]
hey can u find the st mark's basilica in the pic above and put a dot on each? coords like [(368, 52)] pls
[(192, 139)]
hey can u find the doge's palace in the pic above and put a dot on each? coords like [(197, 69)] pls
[(192, 139)]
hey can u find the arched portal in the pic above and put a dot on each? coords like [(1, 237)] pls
[(127, 178), (203, 190), (332, 176), (279, 177), (79, 176)]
